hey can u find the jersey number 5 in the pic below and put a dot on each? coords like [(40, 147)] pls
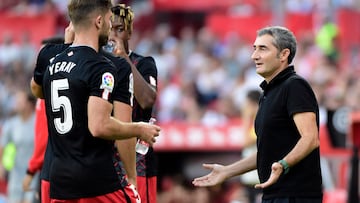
[(58, 102)]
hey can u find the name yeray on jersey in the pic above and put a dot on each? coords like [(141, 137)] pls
[(61, 66)]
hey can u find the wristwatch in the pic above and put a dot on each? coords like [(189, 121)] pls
[(285, 166)]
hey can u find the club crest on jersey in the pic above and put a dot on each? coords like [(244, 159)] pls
[(107, 82)]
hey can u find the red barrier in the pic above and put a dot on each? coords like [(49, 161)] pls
[(349, 25), (244, 26), (38, 26), (199, 5), (299, 23), (177, 136), (181, 136), (355, 129)]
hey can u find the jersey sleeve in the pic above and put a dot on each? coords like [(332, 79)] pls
[(123, 93), (43, 59), (147, 68), (301, 97), (41, 63), (41, 138), (103, 80)]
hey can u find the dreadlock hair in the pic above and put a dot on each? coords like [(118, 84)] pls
[(124, 12)]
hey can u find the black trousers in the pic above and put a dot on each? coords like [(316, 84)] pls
[(293, 200)]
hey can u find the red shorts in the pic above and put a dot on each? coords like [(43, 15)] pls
[(45, 191), (147, 188), (129, 195)]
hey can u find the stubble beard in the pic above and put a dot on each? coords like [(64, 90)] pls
[(103, 38)]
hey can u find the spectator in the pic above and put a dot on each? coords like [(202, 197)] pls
[(20, 131)]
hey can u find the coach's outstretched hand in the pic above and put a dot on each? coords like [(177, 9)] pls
[(149, 132), (215, 177), (276, 170)]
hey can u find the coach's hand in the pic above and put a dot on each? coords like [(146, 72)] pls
[(276, 170), (215, 177)]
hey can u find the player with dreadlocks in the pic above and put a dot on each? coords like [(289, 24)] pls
[(84, 172), (144, 79)]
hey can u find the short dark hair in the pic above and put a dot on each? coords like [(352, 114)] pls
[(80, 10), (283, 39)]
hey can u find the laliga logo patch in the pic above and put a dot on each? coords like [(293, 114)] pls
[(107, 81)]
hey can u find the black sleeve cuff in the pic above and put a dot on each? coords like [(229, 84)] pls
[(30, 172)]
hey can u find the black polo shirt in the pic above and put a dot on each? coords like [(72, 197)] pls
[(284, 96)]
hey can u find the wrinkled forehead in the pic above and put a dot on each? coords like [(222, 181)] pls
[(264, 40)]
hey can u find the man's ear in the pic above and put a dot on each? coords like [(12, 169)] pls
[(98, 21), (284, 54)]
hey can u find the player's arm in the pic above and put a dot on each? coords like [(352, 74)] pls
[(126, 148), (123, 111), (41, 138), (145, 92), (102, 125), (36, 89)]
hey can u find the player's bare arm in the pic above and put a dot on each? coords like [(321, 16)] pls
[(126, 147), (103, 125), (144, 92), (36, 89)]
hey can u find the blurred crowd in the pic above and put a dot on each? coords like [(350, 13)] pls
[(202, 78)]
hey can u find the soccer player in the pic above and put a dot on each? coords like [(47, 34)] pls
[(78, 87), (125, 149), (144, 77), (19, 130), (41, 135), (122, 111), (51, 48)]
